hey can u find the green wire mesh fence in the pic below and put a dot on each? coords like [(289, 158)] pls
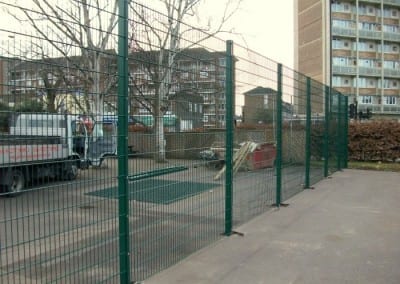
[(127, 145)]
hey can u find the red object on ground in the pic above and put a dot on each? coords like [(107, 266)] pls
[(262, 157)]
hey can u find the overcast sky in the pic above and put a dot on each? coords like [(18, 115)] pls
[(267, 26)]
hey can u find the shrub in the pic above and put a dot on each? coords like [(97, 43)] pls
[(374, 141)]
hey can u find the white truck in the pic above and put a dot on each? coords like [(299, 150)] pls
[(51, 146)]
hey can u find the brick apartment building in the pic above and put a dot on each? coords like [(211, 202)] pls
[(197, 71), (353, 45)]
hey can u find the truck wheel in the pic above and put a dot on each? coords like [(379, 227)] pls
[(70, 171), (15, 183)]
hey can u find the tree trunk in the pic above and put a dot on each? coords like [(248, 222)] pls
[(95, 92), (159, 155), (51, 101)]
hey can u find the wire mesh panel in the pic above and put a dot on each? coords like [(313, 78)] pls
[(177, 92), (130, 139), (58, 82), (294, 95), (316, 131), (334, 132), (254, 136)]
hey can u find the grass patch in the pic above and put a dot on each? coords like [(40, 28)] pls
[(376, 166)]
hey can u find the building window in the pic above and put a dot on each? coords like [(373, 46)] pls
[(340, 44), (371, 11), (344, 61), (360, 83), (390, 29), (222, 62), (339, 81), (371, 83), (367, 63), (336, 81), (336, 43), (386, 84), (390, 100), (391, 64), (340, 7), (390, 48), (368, 26), (362, 9), (203, 74), (389, 84), (342, 23), (266, 101), (366, 100)]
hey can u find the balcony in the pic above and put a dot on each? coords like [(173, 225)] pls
[(395, 2), (344, 70), (392, 73), (366, 71), (371, 1), (391, 109), (209, 102), (370, 34), (346, 32), (377, 109), (392, 36)]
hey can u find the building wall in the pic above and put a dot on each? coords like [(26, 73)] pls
[(252, 104), (199, 71), (310, 38), (359, 29)]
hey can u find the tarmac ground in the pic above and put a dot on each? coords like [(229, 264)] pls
[(345, 230)]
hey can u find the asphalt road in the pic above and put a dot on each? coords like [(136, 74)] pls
[(58, 231)]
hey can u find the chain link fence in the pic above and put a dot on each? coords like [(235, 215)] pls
[(130, 140)]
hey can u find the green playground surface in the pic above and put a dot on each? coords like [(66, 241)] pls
[(159, 191)]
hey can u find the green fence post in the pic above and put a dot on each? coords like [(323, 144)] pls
[(308, 133), (346, 132), (326, 132), (229, 93), (123, 203), (279, 137), (339, 134)]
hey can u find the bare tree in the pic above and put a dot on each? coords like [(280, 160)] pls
[(80, 28), (161, 38)]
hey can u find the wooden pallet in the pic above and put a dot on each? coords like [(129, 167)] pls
[(238, 158)]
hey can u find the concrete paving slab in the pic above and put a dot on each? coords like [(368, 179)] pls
[(346, 230)]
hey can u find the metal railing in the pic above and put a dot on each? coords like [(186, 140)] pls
[(130, 179), (347, 70), (340, 31)]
